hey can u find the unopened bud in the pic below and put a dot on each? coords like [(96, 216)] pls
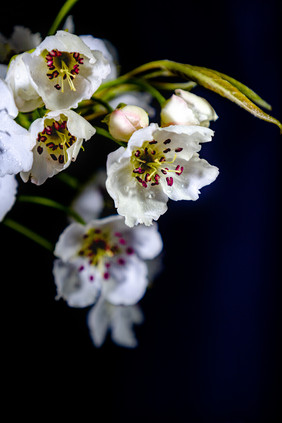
[(185, 108), (123, 121)]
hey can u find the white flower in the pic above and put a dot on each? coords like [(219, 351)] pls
[(185, 108), (24, 90), (158, 163), (58, 136), (117, 319), (106, 258), (8, 189), (65, 71), (7, 102), (15, 146), (21, 40), (125, 120)]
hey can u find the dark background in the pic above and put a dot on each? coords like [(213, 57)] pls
[(209, 350)]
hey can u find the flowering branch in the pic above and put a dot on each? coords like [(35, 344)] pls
[(61, 93), (215, 81)]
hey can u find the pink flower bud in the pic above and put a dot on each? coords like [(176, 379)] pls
[(123, 121)]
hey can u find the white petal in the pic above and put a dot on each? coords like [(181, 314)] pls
[(25, 94), (99, 321), (3, 71), (22, 39), (189, 138), (176, 112), (197, 173), (199, 105), (15, 147), (8, 189), (7, 102), (77, 125), (70, 241), (128, 282), (74, 286), (123, 319), (146, 241), (136, 203), (118, 319), (107, 49)]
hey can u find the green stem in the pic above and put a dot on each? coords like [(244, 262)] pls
[(69, 180), (61, 15), (138, 82), (29, 234), (103, 103), (105, 133), (51, 203)]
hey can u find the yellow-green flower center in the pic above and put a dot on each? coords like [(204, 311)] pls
[(149, 163), (63, 66), (55, 139), (98, 245)]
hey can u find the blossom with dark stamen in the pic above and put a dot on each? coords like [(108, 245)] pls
[(99, 264), (142, 177), (59, 138)]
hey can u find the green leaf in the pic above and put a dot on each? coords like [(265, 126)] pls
[(245, 90), (215, 81)]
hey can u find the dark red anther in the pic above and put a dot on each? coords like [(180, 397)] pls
[(169, 181)]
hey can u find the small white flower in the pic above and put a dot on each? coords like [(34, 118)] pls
[(24, 90), (8, 189), (21, 40), (15, 146), (58, 137), (158, 163), (65, 70), (125, 120), (185, 108), (106, 258), (117, 319)]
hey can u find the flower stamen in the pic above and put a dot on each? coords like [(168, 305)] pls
[(63, 65)]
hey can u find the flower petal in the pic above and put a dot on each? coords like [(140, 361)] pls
[(77, 288), (136, 203), (196, 174), (7, 102), (15, 146), (8, 189), (69, 241), (127, 283), (147, 241), (26, 96)]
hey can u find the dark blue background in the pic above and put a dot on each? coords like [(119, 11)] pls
[(209, 350)]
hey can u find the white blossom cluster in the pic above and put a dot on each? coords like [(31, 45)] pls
[(105, 263)]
